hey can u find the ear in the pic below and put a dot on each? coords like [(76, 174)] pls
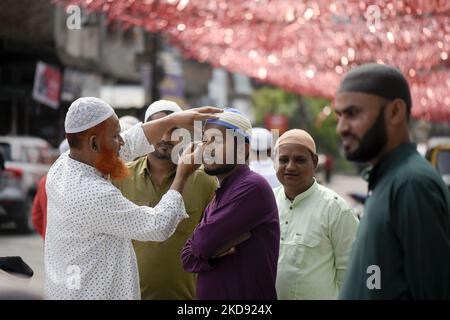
[(396, 112), (274, 155), (315, 159), (94, 143)]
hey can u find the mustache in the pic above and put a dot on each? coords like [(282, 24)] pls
[(165, 144), (349, 135)]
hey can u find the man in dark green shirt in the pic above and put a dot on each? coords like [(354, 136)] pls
[(402, 247), (161, 275)]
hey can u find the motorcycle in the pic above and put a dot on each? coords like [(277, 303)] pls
[(359, 200), (14, 270)]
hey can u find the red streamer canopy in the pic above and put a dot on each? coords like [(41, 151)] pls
[(306, 46)]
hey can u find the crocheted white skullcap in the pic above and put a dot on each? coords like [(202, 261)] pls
[(85, 113)]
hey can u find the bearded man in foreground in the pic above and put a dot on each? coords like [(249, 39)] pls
[(90, 225)]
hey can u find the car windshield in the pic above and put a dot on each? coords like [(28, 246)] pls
[(5, 149), (443, 162)]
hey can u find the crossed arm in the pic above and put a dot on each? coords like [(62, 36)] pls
[(224, 228)]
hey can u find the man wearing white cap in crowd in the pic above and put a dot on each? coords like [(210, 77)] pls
[(260, 155), (317, 226), (126, 122), (88, 250), (234, 249), (161, 106), (160, 273)]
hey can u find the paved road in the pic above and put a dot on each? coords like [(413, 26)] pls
[(30, 247), (343, 185)]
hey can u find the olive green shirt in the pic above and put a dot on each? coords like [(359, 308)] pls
[(161, 275), (402, 246)]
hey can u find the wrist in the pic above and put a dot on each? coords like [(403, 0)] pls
[(181, 175), (178, 183), (169, 120)]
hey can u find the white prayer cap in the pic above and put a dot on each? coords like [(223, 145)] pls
[(261, 139), (126, 122), (63, 146), (160, 106), (85, 113)]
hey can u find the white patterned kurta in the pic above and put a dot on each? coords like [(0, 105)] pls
[(88, 250)]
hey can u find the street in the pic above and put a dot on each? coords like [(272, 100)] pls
[(31, 247)]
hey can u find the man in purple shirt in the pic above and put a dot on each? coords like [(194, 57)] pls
[(235, 247)]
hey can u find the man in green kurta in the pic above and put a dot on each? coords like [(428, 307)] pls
[(402, 247), (161, 275)]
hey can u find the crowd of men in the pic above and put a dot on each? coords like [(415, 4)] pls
[(130, 217)]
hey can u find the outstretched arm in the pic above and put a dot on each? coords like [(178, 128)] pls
[(155, 129)]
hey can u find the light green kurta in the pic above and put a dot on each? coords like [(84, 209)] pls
[(317, 232)]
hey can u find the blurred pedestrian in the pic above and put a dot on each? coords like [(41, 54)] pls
[(161, 275), (2, 161), (234, 249), (317, 226), (126, 122), (402, 248), (88, 249), (39, 209), (260, 155), (328, 167)]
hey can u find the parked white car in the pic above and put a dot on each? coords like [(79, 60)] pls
[(27, 159)]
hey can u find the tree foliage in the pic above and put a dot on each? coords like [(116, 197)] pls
[(303, 113)]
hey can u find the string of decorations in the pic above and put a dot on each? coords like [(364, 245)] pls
[(306, 46)]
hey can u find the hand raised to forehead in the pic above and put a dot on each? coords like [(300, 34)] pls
[(186, 118)]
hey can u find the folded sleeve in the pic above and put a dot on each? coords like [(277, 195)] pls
[(192, 263), (241, 213)]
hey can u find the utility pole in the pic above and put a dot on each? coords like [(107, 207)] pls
[(157, 70)]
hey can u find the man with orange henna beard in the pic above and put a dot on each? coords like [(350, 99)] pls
[(108, 162), (90, 225)]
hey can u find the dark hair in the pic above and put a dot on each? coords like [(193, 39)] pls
[(378, 79), (150, 118)]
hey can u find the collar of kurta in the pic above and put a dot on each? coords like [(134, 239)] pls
[(305, 194), (388, 163), (86, 167), (144, 169), (229, 181)]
